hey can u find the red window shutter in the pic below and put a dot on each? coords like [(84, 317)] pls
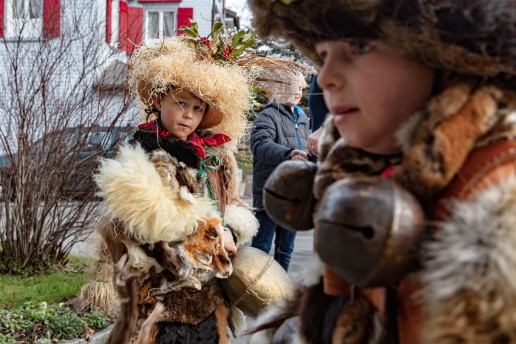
[(123, 25), (109, 18), (2, 5), (184, 14), (51, 18), (135, 29)]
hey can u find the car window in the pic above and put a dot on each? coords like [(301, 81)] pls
[(98, 140)]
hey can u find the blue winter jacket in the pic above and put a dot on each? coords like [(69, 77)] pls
[(275, 134)]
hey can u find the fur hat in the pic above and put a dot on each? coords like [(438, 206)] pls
[(474, 37), (176, 62)]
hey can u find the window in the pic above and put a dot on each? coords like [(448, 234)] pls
[(30, 19), (25, 18), (27, 9), (160, 24)]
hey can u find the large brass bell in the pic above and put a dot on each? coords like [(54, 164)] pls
[(288, 197), (257, 281), (367, 230)]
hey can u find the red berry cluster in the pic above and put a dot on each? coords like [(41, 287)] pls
[(204, 41), (227, 51)]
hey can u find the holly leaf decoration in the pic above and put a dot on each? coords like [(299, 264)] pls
[(219, 45)]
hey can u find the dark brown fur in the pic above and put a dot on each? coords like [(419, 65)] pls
[(475, 37)]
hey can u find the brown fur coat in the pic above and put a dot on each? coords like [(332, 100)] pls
[(160, 213)]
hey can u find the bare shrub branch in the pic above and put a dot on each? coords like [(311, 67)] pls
[(53, 108)]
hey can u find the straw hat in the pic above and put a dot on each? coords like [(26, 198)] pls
[(177, 63), (475, 37)]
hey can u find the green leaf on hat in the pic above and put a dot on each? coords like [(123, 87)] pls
[(237, 38), (187, 30)]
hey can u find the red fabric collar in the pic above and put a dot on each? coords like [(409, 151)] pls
[(198, 142), (388, 171)]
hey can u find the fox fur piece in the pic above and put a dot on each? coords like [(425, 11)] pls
[(199, 258), (151, 206)]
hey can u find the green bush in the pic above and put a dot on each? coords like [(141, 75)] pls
[(39, 323), (96, 320)]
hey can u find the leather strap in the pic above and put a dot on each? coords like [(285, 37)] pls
[(473, 175)]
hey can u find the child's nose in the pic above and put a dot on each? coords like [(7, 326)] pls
[(188, 113), (328, 77)]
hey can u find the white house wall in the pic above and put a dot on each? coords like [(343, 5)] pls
[(71, 62)]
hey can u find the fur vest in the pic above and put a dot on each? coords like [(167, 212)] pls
[(156, 198), (459, 160)]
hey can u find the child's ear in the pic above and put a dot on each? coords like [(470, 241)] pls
[(156, 99)]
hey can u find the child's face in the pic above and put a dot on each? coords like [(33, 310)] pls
[(181, 112), (296, 97), (371, 89)]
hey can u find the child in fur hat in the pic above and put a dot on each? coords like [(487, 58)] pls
[(168, 193), (422, 93)]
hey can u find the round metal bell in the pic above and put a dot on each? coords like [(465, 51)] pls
[(368, 230), (287, 195), (256, 282)]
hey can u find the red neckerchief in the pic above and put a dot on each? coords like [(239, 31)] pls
[(198, 142), (388, 171)]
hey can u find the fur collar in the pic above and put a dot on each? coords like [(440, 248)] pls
[(181, 150)]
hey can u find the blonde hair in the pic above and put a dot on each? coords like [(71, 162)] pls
[(291, 84)]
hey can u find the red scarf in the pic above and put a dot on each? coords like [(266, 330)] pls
[(198, 142)]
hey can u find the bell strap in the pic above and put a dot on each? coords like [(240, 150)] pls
[(253, 282)]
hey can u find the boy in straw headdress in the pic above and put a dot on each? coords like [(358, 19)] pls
[(171, 194), (422, 96)]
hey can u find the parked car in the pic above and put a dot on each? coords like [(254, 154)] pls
[(90, 143)]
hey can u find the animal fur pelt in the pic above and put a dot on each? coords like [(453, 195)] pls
[(450, 127), (182, 150), (464, 303), (201, 256), (237, 213), (242, 221), (469, 279), (147, 199), (339, 320)]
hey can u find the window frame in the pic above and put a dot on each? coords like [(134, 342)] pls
[(161, 15), (32, 27)]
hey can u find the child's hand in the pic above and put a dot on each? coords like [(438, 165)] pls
[(298, 155), (229, 243)]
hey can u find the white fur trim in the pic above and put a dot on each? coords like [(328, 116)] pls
[(266, 336), (135, 194), (242, 221), (313, 271), (377, 332), (186, 195), (138, 259), (470, 279), (407, 129), (237, 320)]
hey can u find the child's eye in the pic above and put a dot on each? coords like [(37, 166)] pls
[(322, 54), (182, 104), (199, 108), (360, 47)]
